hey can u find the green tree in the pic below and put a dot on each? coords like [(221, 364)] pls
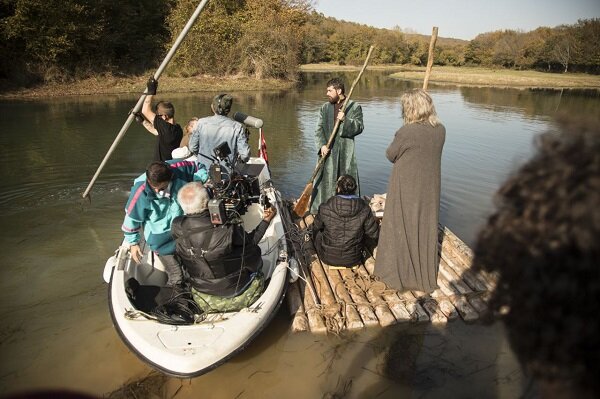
[(59, 40)]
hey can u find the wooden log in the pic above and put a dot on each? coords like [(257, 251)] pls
[(468, 275), (462, 266), (463, 252), (445, 304), (414, 308), (453, 279), (299, 321), (352, 318), (432, 308), (330, 306), (313, 313), (478, 304), (382, 311), (362, 304), (459, 301), (395, 304)]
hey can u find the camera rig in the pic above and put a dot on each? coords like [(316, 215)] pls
[(234, 187)]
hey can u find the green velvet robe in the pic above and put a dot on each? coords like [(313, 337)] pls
[(341, 159)]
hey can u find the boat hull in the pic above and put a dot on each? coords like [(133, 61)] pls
[(192, 350)]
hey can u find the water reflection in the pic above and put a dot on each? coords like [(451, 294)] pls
[(53, 302)]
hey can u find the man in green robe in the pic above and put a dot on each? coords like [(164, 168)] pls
[(340, 158)]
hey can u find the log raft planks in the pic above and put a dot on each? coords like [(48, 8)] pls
[(352, 299)]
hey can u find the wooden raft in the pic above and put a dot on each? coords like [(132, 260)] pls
[(333, 300)]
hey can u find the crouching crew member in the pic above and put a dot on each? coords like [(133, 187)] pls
[(152, 206), (223, 261), (344, 226)]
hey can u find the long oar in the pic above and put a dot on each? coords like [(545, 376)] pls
[(302, 205), (138, 106)]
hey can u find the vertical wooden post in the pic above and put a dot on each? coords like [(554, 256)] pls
[(434, 34)]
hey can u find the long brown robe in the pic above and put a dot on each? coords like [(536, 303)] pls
[(407, 255)]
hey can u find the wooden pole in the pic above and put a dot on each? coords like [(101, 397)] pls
[(302, 205), (434, 34), (138, 105)]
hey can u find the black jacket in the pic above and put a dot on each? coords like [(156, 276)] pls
[(341, 229), (219, 259)]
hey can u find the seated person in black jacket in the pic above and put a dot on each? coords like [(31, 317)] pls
[(344, 225), (223, 261)]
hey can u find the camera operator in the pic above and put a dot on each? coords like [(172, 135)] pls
[(214, 130), (223, 261)]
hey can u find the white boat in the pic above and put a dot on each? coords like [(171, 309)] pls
[(192, 350)]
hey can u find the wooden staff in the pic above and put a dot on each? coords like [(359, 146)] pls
[(138, 105), (434, 34), (302, 205)]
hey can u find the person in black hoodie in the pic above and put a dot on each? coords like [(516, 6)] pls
[(344, 225), (223, 261)]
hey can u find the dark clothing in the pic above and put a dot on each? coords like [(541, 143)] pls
[(169, 137), (342, 228), (407, 253), (219, 259)]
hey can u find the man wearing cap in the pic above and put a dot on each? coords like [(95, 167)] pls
[(212, 131)]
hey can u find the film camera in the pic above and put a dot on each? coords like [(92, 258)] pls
[(234, 187)]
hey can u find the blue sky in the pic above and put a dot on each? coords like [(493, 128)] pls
[(462, 19)]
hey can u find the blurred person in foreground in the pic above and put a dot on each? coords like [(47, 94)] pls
[(543, 242)]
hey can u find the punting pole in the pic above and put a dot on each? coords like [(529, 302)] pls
[(138, 105), (434, 34)]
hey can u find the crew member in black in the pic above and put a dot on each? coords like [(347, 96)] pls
[(344, 226), (223, 261), (163, 122)]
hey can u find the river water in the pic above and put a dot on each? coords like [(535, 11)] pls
[(56, 331)]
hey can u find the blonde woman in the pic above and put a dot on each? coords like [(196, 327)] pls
[(407, 256)]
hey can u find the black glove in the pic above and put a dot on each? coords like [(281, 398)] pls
[(139, 118), (151, 86)]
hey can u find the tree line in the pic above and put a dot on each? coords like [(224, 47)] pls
[(65, 40)]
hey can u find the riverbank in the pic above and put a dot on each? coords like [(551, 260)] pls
[(441, 75), (479, 77), (137, 84)]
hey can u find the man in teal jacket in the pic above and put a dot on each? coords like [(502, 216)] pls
[(341, 159), (152, 206)]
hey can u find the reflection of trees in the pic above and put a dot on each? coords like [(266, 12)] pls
[(533, 102)]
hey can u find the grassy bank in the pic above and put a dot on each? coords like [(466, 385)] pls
[(467, 76), (137, 84)]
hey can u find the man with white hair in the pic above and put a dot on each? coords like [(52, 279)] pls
[(223, 261)]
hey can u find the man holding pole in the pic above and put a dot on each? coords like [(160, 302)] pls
[(169, 133), (340, 155)]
